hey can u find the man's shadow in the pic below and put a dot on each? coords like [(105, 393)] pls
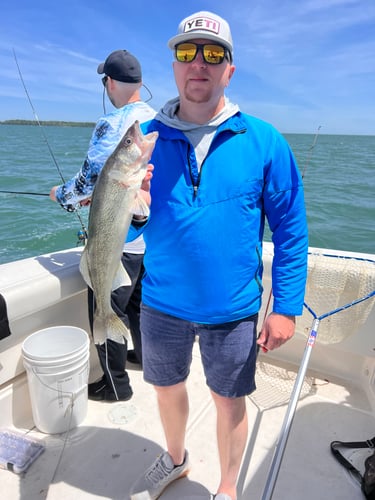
[(104, 462)]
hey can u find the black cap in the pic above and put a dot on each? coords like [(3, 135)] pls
[(121, 65)]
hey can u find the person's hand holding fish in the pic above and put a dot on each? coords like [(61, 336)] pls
[(144, 191)]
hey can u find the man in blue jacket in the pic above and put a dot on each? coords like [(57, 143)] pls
[(218, 175)]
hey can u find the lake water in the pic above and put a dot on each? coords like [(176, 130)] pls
[(338, 175)]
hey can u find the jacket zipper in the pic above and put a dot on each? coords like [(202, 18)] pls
[(194, 184)]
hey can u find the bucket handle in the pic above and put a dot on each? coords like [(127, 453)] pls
[(70, 394)]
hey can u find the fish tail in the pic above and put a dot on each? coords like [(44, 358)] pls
[(110, 327)]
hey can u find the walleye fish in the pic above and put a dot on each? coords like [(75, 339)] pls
[(114, 198)]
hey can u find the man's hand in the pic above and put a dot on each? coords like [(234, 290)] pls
[(276, 330), (52, 193), (146, 185)]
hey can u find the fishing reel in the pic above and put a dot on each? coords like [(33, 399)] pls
[(81, 237)]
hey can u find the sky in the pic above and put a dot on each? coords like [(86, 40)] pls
[(300, 64)]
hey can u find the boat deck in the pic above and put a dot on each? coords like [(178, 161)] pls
[(117, 441)]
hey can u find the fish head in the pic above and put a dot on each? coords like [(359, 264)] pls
[(135, 149)]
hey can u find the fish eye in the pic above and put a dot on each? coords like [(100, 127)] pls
[(128, 141)]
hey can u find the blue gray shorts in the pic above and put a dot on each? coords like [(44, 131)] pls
[(228, 352)]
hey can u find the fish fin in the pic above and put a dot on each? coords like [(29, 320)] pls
[(139, 206), (99, 330), (110, 327), (121, 278), (84, 268)]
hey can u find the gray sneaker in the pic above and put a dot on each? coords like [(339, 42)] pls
[(157, 477)]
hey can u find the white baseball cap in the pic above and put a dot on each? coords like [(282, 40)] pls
[(203, 25)]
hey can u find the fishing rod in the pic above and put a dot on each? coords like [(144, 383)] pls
[(23, 192), (311, 150), (82, 234)]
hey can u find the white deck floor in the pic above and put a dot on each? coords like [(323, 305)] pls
[(117, 441)]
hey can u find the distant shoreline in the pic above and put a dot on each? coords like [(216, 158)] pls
[(48, 123), (58, 123)]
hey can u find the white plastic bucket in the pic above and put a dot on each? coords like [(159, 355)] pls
[(42, 345), (56, 360)]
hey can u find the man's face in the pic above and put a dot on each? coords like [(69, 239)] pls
[(200, 82)]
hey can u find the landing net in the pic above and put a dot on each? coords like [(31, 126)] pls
[(340, 290), (337, 284)]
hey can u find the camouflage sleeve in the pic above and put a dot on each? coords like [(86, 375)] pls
[(80, 187)]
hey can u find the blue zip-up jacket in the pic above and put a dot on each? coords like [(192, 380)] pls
[(204, 236)]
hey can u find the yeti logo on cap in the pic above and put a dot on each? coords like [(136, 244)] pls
[(202, 24), (205, 25)]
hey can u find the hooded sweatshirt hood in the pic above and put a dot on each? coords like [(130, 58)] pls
[(199, 135)]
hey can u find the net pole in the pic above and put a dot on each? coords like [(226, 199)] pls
[(289, 416)]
